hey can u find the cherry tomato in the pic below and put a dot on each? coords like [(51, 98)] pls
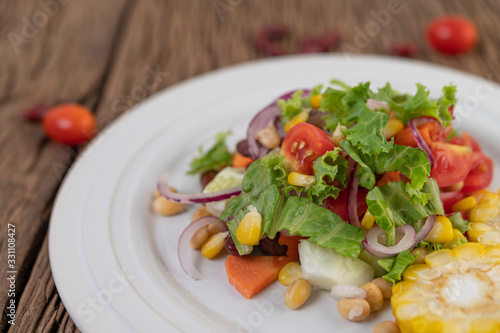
[(303, 144), (452, 35), (480, 174), (339, 205), (70, 124), (449, 199), (452, 163)]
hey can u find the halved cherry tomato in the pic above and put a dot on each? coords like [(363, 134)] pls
[(339, 205), (303, 144), (480, 174), (429, 131), (452, 35), (70, 124), (449, 199), (452, 163)]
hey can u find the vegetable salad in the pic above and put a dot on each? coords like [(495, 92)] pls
[(364, 193)]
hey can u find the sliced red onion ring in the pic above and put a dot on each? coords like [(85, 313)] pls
[(352, 198), (374, 104), (196, 197), (340, 291), (426, 228), (262, 120), (420, 141), (183, 245), (373, 247)]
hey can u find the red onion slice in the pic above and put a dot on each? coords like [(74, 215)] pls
[(340, 291), (183, 245), (373, 247), (352, 198), (420, 141), (374, 104), (196, 197), (262, 120), (426, 228)]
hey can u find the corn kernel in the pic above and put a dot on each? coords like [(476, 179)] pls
[(413, 272), (289, 273), (300, 118), (316, 101), (468, 251), (491, 253), (483, 213), (367, 221), (298, 179), (250, 227), (479, 194), (441, 232), (477, 229), (214, 245), (402, 286), (457, 235), (465, 204), (491, 238), (440, 257), (393, 127), (489, 199)]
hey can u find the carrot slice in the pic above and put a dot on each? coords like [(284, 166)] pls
[(292, 243), (389, 177), (240, 161), (250, 275)]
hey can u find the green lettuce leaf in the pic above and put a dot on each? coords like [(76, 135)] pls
[(420, 105), (215, 158), (385, 204), (458, 222), (411, 162), (364, 125), (261, 189), (403, 260), (431, 246), (292, 106), (302, 217)]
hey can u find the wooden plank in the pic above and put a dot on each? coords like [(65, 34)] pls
[(58, 52), (160, 43)]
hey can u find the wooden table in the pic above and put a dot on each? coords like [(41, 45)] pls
[(109, 55)]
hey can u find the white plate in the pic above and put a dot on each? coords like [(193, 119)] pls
[(115, 263)]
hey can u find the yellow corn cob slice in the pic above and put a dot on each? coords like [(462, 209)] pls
[(485, 218), (456, 291)]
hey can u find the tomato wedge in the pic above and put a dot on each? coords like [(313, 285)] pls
[(452, 163), (480, 174), (303, 144)]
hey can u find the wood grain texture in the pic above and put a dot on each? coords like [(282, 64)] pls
[(110, 55)]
